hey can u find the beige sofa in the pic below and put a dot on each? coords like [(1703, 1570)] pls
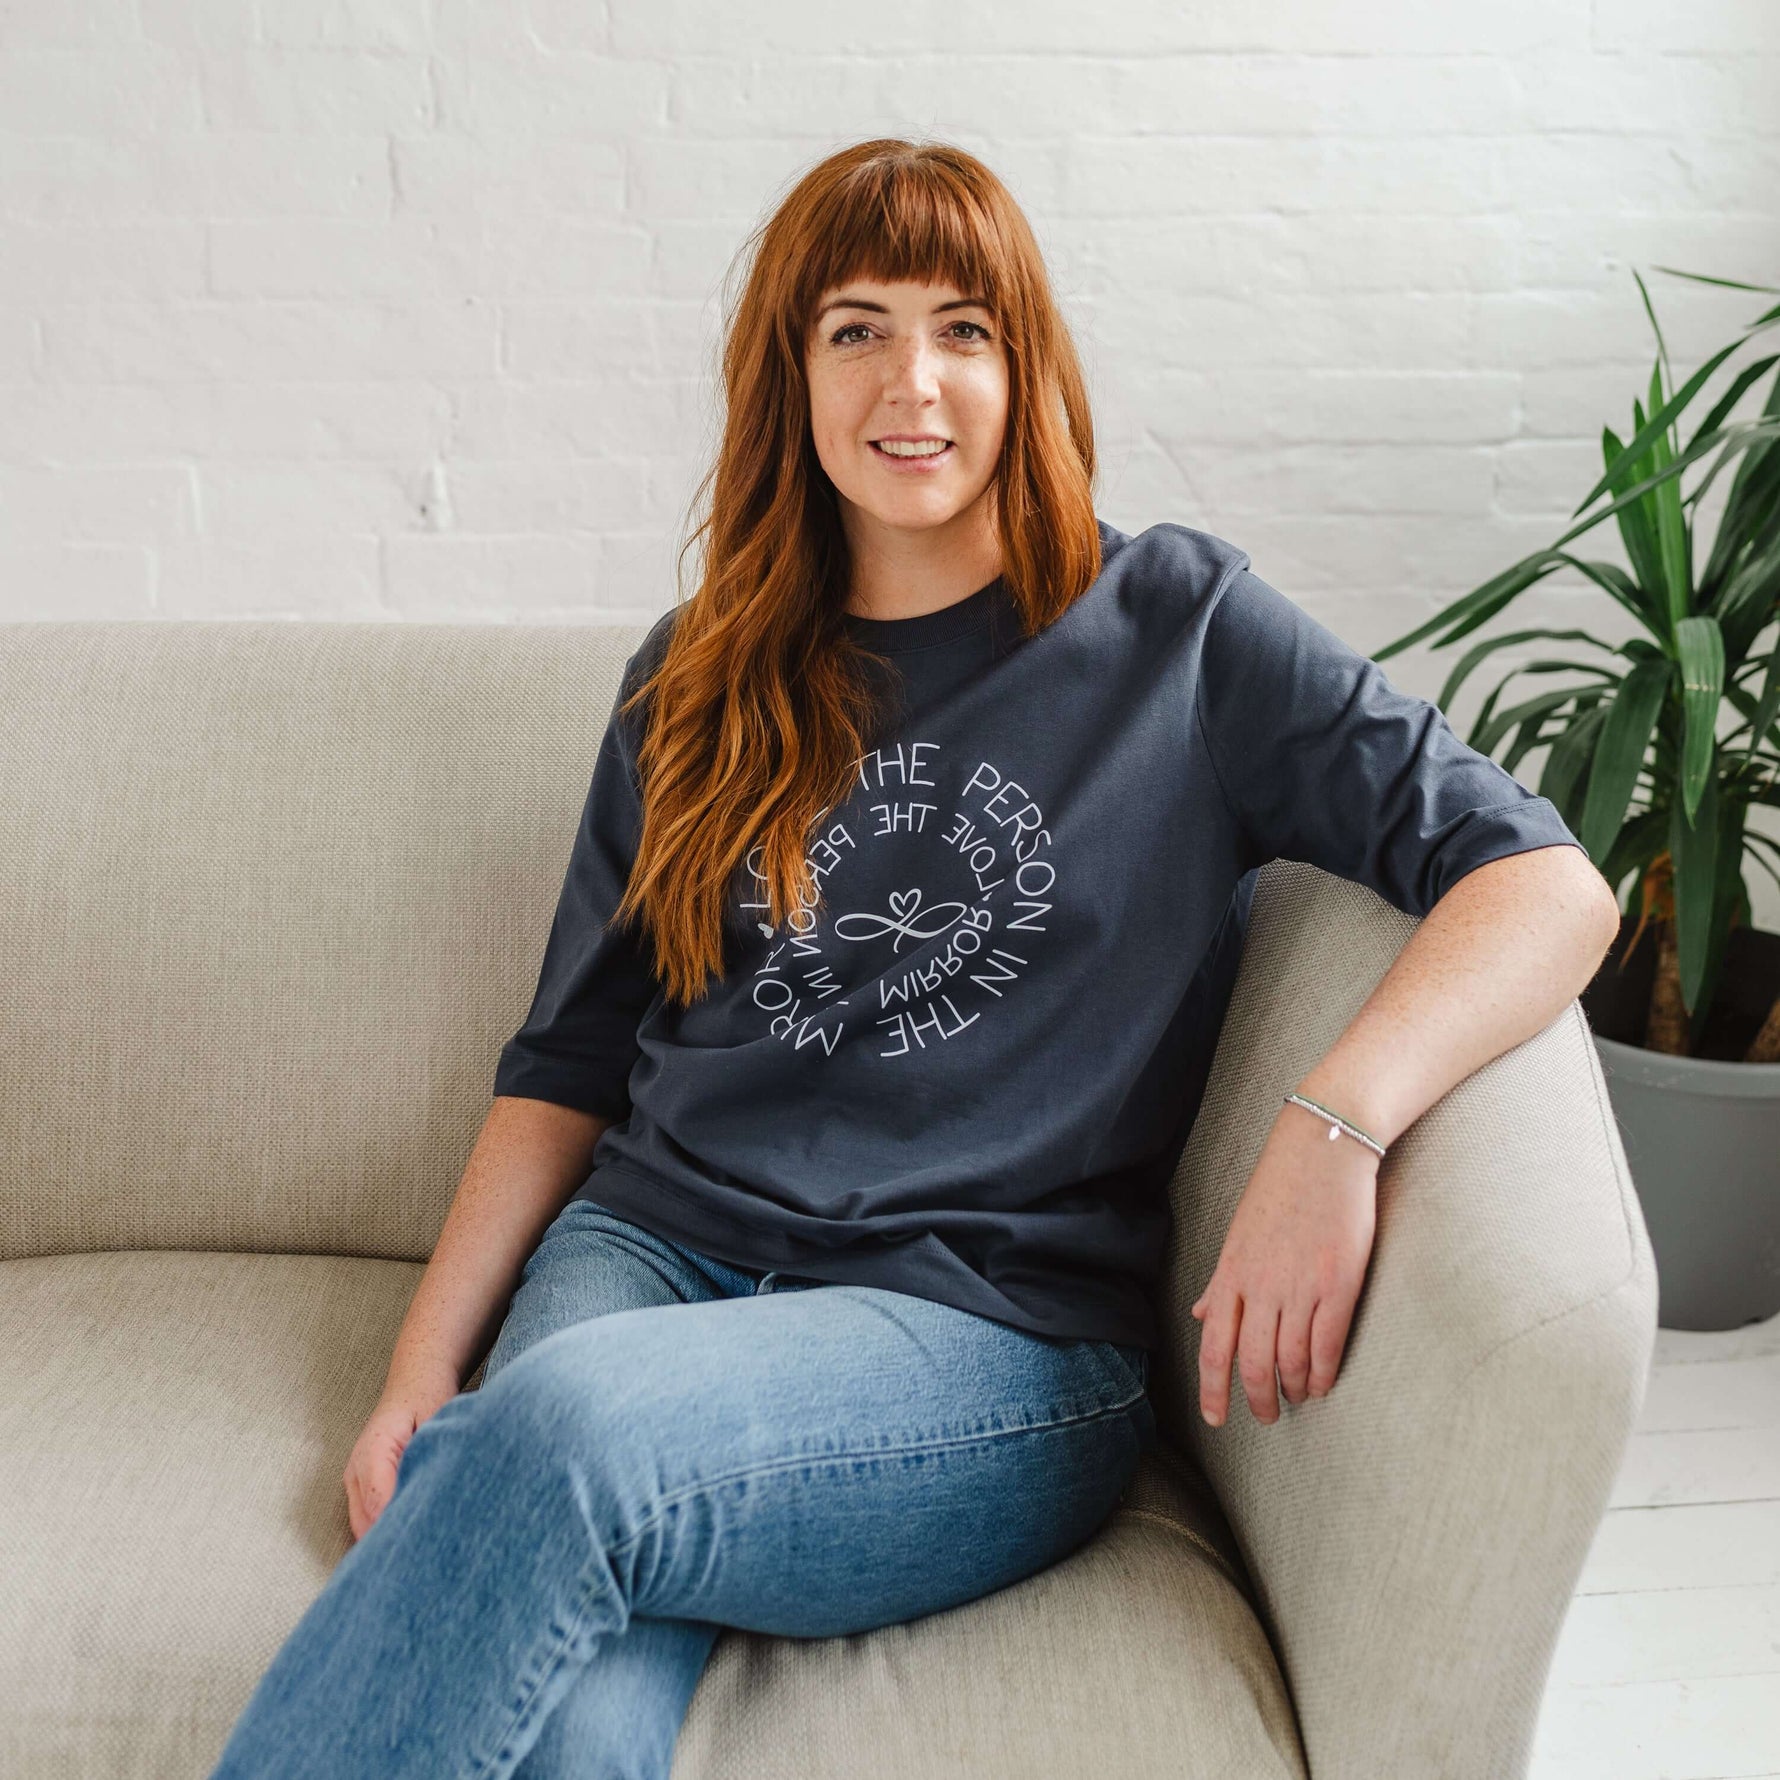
[(271, 897)]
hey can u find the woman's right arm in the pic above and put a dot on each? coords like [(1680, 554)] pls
[(529, 1157)]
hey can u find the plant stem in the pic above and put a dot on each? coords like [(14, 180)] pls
[(1666, 1027), (1765, 1046)]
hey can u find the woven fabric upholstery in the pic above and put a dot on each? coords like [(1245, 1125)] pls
[(172, 1438), (281, 891), (273, 896), (1415, 1536)]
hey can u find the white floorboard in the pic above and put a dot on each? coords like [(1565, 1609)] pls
[(1669, 1663)]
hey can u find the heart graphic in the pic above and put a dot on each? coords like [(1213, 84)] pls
[(904, 902)]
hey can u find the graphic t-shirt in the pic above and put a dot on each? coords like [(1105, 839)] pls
[(970, 1075)]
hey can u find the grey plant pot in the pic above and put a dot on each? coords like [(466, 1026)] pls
[(1701, 1135)]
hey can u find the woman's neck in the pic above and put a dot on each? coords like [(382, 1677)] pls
[(918, 574)]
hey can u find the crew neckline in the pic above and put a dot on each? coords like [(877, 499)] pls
[(897, 636)]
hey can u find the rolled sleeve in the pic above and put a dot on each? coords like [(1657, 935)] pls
[(578, 1044), (1322, 759)]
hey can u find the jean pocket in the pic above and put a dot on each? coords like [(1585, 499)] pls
[(1135, 1361)]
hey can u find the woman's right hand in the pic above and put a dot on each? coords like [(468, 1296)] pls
[(370, 1475)]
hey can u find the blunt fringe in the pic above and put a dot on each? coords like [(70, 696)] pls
[(762, 705)]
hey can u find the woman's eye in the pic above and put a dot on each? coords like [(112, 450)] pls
[(839, 336)]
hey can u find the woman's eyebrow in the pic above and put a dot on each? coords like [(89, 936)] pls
[(883, 309)]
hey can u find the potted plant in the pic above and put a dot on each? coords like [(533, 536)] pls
[(1658, 748)]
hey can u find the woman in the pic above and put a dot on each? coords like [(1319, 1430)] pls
[(893, 947)]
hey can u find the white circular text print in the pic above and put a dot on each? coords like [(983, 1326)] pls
[(931, 892)]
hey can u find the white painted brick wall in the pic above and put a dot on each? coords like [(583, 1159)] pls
[(408, 309)]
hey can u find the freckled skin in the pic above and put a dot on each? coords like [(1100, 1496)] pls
[(918, 540)]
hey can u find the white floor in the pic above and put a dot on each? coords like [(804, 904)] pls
[(1669, 1663)]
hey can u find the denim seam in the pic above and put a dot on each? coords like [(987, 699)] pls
[(1128, 1370), (878, 1452), (563, 1639)]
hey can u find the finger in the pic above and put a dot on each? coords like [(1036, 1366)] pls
[(1294, 1351), (368, 1504), (1257, 1356), (1217, 1347), (1328, 1338)]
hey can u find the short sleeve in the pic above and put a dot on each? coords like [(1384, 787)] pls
[(1322, 759), (578, 1044)]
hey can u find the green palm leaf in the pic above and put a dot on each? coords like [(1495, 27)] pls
[(1564, 776), (1694, 848), (1476, 654), (1482, 603), (1663, 414), (1746, 497), (1639, 842), (1700, 646), (1489, 731), (1625, 740), (1673, 542)]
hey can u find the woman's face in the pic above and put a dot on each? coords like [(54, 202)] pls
[(913, 362)]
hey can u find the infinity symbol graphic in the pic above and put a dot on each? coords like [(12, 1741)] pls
[(904, 905)]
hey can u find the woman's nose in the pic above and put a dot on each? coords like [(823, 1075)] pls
[(913, 366)]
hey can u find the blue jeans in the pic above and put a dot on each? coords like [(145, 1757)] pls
[(664, 1445)]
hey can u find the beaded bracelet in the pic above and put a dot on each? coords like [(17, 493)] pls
[(1337, 1124)]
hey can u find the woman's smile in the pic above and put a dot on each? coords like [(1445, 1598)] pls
[(907, 457)]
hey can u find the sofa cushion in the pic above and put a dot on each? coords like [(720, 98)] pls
[(279, 896), (173, 1429)]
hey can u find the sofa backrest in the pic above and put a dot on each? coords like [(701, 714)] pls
[(272, 896)]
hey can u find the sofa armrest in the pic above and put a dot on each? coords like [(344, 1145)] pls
[(1415, 1537)]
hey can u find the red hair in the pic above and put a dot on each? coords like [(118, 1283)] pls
[(762, 704)]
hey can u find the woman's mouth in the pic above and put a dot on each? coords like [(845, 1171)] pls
[(924, 458)]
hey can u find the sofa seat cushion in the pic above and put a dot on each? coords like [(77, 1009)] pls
[(173, 1429)]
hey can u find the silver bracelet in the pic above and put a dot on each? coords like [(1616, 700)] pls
[(1337, 1124)]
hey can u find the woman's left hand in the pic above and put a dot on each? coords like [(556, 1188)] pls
[(1284, 1289)]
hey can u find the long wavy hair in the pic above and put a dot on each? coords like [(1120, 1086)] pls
[(762, 703)]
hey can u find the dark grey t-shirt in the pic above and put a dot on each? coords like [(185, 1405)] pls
[(971, 1076)]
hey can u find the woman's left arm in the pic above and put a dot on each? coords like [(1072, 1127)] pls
[(1495, 961)]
